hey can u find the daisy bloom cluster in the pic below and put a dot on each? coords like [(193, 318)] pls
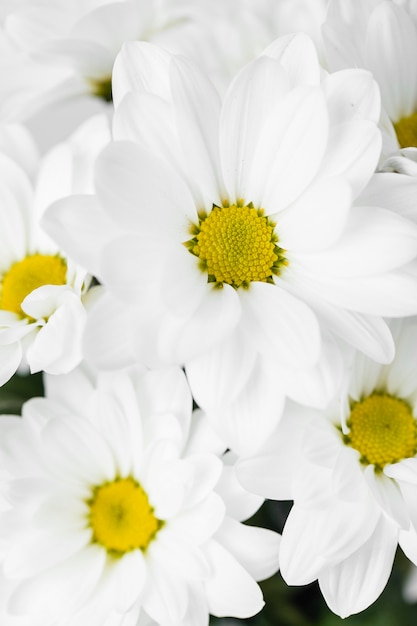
[(208, 307)]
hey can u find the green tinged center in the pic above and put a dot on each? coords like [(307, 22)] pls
[(382, 429), (236, 245), (406, 131)]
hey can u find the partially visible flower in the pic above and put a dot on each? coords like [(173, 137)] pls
[(352, 473), (232, 237), (381, 36), (123, 507), (42, 291)]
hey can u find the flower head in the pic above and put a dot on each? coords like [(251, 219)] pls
[(235, 230), (130, 509), (353, 479)]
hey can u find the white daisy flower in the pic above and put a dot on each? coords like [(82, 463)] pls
[(121, 507), (42, 292), (380, 35), (62, 52), (352, 473), (228, 235)]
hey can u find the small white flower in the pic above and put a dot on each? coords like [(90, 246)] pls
[(121, 506), (42, 312), (352, 473)]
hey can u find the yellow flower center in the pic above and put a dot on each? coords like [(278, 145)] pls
[(382, 429), (236, 245), (121, 517), (29, 274), (101, 88), (406, 130)]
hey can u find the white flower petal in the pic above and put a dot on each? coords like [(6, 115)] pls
[(130, 578), (392, 191), (61, 588), (148, 120), (44, 550), (356, 582), (197, 112), (81, 228), (10, 357), (352, 94), (128, 184), (388, 496), (108, 336), (392, 56), (76, 449), (57, 346), (165, 597), (230, 590), (240, 503), (375, 240), (352, 152), (298, 56), (317, 218), (255, 548), (140, 66), (280, 325), (247, 421), (216, 317), (290, 149), (251, 98), (218, 377), (201, 521), (314, 539)]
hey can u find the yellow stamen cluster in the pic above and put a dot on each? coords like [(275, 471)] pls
[(382, 429), (406, 131), (236, 245), (121, 517), (28, 274)]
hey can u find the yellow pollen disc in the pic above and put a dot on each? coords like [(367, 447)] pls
[(29, 274), (382, 429), (121, 517), (236, 245), (406, 131)]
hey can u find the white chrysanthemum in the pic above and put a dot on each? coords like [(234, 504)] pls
[(42, 314), (59, 55), (380, 35), (59, 51), (352, 473), (121, 505), (228, 235)]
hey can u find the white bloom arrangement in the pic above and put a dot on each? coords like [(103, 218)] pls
[(208, 305)]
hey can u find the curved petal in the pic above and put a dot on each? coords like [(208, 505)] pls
[(197, 113), (142, 67), (251, 98), (255, 548), (280, 325), (290, 149), (128, 183), (218, 314), (356, 582), (10, 357), (230, 590)]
